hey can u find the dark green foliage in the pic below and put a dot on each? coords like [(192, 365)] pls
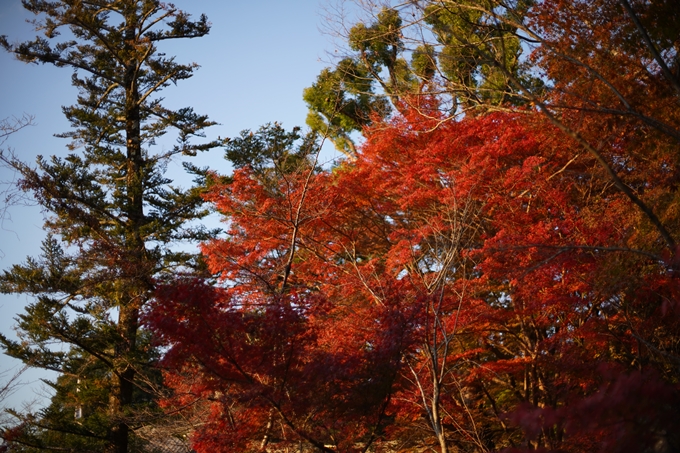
[(271, 146), (115, 221), (380, 47), (463, 54), (341, 102)]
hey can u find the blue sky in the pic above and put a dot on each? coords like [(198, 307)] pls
[(255, 62)]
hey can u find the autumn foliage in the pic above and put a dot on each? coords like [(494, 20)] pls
[(474, 282), (504, 282)]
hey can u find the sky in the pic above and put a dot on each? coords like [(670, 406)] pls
[(255, 62)]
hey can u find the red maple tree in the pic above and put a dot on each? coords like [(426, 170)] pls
[(504, 282), (472, 286)]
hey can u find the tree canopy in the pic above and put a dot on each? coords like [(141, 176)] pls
[(498, 256), (492, 267)]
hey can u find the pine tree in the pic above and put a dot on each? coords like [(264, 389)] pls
[(114, 220)]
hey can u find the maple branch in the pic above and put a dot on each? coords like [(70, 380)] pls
[(267, 429), (618, 182), (464, 400), (564, 248), (653, 122), (672, 357), (295, 429), (298, 212), (363, 280), (650, 45), (381, 412)]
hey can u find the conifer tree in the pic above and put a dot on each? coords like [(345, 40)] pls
[(114, 220), (466, 54)]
